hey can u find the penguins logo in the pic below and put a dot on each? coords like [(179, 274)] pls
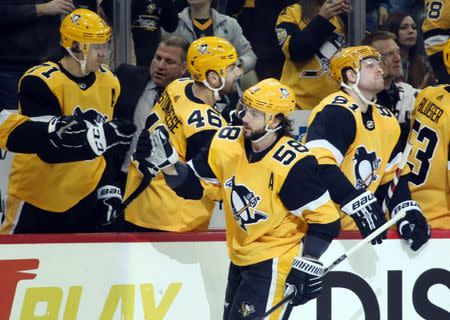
[(284, 93), (203, 49), (75, 18), (243, 203), (246, 309), (366, 167), (90, 115)]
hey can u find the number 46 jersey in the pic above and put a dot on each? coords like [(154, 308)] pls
[(191, 124), (429, 160)]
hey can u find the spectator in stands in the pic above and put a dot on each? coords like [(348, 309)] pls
[(200, 20), (436, 32), (257, 19), (141, 87), (29, 37), (376, 14), (147, 19), (398, 97), (416, 67), (45, 197), (309, 33)]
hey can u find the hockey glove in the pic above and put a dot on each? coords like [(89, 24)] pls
[(305, 277), (363, 207), (67, 132), (107, 135), (110, 202), (143, 151), (413, 226), (160, 153), (163, 153)]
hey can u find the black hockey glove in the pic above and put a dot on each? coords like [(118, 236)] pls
[(154, 150), (306, 278), (107, 135), (110, 203), (142, 152), (413, 226), (363, 207), (67, 132)]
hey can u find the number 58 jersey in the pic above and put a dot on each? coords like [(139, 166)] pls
[(429, 159), (269, 197)]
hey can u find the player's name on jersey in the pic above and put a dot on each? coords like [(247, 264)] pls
[(430, 110), (170, 117)]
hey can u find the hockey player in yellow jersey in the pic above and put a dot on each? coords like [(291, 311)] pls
[(429, 160), (279, 217), (45, 194), (357, 145), (436, 32), (309, 33), (187, 109)]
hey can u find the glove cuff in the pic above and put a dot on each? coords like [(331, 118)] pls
[(405, 206), (357, 203), (308, 266), (96, 139), (109, 191)]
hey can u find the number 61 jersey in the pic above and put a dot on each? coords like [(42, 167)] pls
[(269, 197), (429, 159)]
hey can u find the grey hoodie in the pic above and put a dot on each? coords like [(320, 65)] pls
[(225, 27)]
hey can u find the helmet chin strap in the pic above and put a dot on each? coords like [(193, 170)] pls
[(82, 63), (215, 90), (268, 131), (356, 90)]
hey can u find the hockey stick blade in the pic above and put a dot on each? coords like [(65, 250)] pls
[(365, 241)]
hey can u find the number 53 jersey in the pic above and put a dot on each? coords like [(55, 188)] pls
[(429, 159), (269, 197)]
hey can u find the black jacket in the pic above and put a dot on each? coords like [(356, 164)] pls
[(133, 80)]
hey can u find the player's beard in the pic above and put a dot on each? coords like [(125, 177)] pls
[(255, 135)]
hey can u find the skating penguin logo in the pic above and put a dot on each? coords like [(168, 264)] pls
[(203, 48), (90, 115), (246, 309), (366, 167), (244, 203)]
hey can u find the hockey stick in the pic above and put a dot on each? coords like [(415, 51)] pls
[(394, 182), (386, 200), (147, 176), (286, 299), (363, 242)]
